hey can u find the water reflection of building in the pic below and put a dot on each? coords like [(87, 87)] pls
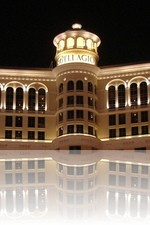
[(107, 186)]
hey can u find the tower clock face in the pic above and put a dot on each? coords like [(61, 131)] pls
[(78, 58)]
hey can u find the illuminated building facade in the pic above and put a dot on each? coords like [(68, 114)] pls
[(76, 104)]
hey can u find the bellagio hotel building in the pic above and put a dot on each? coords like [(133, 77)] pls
[(76, 104)]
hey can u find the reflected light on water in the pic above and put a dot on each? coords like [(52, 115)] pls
[(74, 187)]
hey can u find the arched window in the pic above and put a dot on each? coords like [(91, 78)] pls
[(90, 87), (143, 93), (31, 99), (9, 98), (79, 85), (70, 42), (111, 97), (70, 85), (89, 44), (61, 45), (41, 99), (80, 42), (121, 96), (19, 98), (61, 88), (133, 94)]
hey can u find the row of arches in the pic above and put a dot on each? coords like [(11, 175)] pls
[(119, 95), (78, 86), (78, 42), (21, 97)]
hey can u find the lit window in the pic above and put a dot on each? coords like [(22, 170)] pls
[(80, 42), (89, 44), (61, 45), (70, 42)]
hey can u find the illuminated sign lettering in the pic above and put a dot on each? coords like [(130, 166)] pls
[(69, 58)]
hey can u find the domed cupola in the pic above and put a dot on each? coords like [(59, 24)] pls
[(76, 46)]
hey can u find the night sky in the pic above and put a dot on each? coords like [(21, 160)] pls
[(28, 27)]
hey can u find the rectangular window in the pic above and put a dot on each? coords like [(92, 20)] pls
[(144, 130), (8, 178), (122, 132), (90, 102), (79, 128), (18, 121), (79, 100), (60, 117), (8, 165), (134, 131), (60, 131), (8, 134), (144, 169), (31, 178), (31, 121), (134, 182), (18, 134), (60, 103), (31, 164), (90, 116), (112, 120), (134, 117), (79, 171), (41, 177), (144, 183), (18, 165), (122, 181), (112, 166), (70, 129), (8, 121), (41, 135), (18, 178), (41, 122), (70, 170), (122, 167), (134, 168), (90, 169), (70, 100), (112, 179), (112, 133), (90, 130), (31, 135), (144, 116), (70, 184), (70, 114), (122, 118), (41, 164), (79, 114)]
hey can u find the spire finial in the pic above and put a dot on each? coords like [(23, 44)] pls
[(76, 26)]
